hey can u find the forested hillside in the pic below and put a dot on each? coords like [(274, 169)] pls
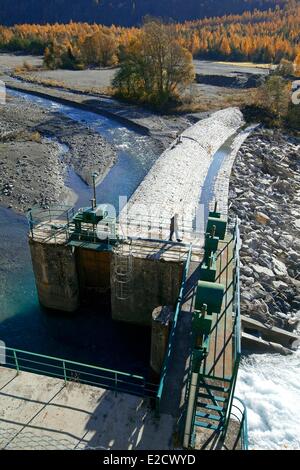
[(122, 12), (259, 37)]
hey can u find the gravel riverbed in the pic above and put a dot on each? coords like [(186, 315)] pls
[(265, 196), (32, 168)]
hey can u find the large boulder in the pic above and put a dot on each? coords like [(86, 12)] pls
[(279, 268), (262, 218), (262, 271)]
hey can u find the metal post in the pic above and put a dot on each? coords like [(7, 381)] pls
[(149, 226), (157, 406), (16, 362), (160, 227), (94, 176), (190, 411), (116, 383), (65, 372), (31, 224)]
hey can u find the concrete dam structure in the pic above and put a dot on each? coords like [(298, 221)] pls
[(70, 267), (176, 181), (185, 291), (144, 269)]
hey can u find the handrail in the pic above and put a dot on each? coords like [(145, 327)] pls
[(242, 435), (85, 373), (172, 333), (148, 223), (40, 221), (236, 329), (234, 300)]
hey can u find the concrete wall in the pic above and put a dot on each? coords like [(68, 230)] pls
[(55, 273), (177, 178), (154, 283), (93, 269)]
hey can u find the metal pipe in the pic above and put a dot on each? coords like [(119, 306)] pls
[(190, 411), (94, 176)]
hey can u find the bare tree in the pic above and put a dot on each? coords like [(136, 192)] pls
[(156, 68)]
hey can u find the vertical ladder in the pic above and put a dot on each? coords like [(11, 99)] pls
[(123, 269)]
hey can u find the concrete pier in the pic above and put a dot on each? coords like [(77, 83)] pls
[(54, 266), (155, 280), (161, 324)]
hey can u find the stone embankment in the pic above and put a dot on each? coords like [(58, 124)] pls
[(222, 179), (175, 182), (265, 195)]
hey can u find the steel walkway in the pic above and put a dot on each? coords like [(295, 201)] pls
[(210, 390)]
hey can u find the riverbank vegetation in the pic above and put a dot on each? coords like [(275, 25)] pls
[(272, 102), (155, 67)]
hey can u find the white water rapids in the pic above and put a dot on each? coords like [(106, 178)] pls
[(269, 385)]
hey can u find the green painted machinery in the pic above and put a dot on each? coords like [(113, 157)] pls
[(106, 229), (211, 294), (211, 242), (197, 357), (89, 215), (220, 224), (201, 321), (93, 224), (208, 269), (201, 326), (215, 224)]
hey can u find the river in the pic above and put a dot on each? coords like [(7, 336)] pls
[(269, 385)]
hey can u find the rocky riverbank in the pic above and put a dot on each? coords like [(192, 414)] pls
[(265, 195), (32, 168), (31, 172)]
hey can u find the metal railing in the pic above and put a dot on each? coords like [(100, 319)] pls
[(227, 257), (151, 227), (71, 371), (50, 224), (55, 224), (167, 358), (236, 331), (239, 413)]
